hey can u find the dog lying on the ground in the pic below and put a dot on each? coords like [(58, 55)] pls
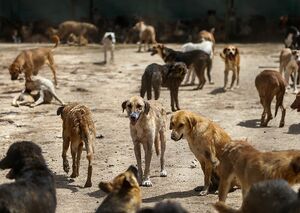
[(147, 35), (147, 127), (205, 139), (108, 42), (272, 196), (74, 40), (241, 159), (30, 62), (289, 60), (207, 47), (231, 57), (296, 103), (164, 207), (196, 58), (168, 75), (124, 193), (269, 83), (45, 92), (34, 186), (78, 129)]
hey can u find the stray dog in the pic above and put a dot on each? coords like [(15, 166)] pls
[(74, 40), (207, 47), (43, 86), (292, 38), (30, 61), (34, 186), (169, 75), (165, 207), (147, 127), (241, 159), (78, 129), (296, 103), (289, 60), (196, 58), (231, 57), (207, 35), (269, 83), (271, 196), (147, 35), (205, 139), (124, 193), (108, 42)]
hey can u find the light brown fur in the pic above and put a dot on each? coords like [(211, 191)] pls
[(31, 61), (240, 159), (74, 40), (147, 34), (147, 127), (231, 57), (78, 129), (269, 83), (207, 35)]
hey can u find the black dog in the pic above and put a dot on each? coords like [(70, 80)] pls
[(165, 207), (292, 38), (169, 75), (199, 59), (34, 188)]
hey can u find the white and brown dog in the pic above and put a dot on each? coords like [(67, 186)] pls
[(231, 57), (108, 41)]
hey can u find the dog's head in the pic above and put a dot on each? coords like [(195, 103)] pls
[(123, 182), (139, 26), (296, 55), (177, 70), (135, 107), (22, 156), (230, 52), (14, 70), (158, 49), (296, 103)]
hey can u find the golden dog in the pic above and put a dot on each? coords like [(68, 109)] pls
[(241, 159), (147, 34), (30, 62), (124, 193), (205, 139), (231, 57), (78, 129)]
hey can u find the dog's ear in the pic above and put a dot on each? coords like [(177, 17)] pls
[(124, 105), (59, 110), (129, 181), (133, 170), (294, 52), (146, 107), (295, 164), (224, 50), (191, 121), (106, 187), (237, 52)]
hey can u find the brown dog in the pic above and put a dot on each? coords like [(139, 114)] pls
[(231, 57), (78, 129), (296, 103), (30, 62), (269, 83), (147, 34), (124, 193), (205, 139), (241, 159), (147, 127)]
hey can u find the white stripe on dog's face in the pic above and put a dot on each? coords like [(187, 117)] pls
[(296, 55)]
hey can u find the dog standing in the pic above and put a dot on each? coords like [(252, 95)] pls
[(45, 89), (168, 75), (147, 127), (108, 42), (78, 129), (231, 57), (31, 61), (34, 186), (147, 35), (124, 193)]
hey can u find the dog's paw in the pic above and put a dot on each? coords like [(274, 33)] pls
[(193, 164), (88, 184), (163, 173), (203, 193), (147, 183), (66, 167)]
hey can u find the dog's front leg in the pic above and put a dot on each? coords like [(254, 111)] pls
[(226, 72), (147, 145), (233, 79), (295, 82), (224, 186), (207, 178), (40, 100), (172, 99), (137, 152)]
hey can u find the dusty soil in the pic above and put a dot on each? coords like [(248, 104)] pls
[(103, 88)]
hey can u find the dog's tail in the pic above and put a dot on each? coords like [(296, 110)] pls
[(221, 207), (86, 135), (279, 97), (55, 40)]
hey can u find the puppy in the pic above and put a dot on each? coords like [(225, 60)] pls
[(147, 34), (43, 86), (34, 186), (30, 62), (289, 60), (165, 207), (147, 127), (269, 83), (78, 129), (74, 40), (124, 193), (108, 42), (241, 159), (205, 139), (231, 57), (296, 103), (169, 75), (271, 196)]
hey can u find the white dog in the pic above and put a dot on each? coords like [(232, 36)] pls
[(205, 46), (108, 42)]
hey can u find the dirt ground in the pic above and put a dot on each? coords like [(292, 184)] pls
[(103, 88)]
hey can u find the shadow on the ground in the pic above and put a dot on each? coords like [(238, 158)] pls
[(253, 123), (97, 194), (63, 182), (217, 91), (294, 129), (171, 195)]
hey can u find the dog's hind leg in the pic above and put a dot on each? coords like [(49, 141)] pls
[(208, 69), (156, 88), (88, 182), (79, 151), (74, 150), (187, 78), (66, 144), (224, 186), (162, 135), (40, 100)]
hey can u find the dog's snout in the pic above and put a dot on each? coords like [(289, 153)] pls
[(134, 116)]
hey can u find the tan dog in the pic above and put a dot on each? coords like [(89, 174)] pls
[(31, 61), (124, 193), (74, 40), (205, 139), (231, 57), (208, 36), (241, 159), (78, 129), (147, 34), (147, 127)]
